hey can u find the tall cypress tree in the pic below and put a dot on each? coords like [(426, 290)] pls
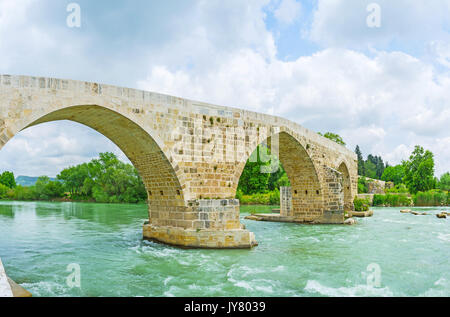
[(380, 167), (361, 169)]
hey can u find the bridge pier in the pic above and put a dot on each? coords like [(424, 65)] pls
[(204, 223)]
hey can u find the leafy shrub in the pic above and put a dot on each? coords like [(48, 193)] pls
[(100, 195), (256, 199), (379, 200), (274, 197), (362, 185), (431, 198), (400, 188), (3, 191), (361, 204), (239, 195), (392, 200)]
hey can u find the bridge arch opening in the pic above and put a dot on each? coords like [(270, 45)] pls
[(155, 168), (346, 185), (305, 188)]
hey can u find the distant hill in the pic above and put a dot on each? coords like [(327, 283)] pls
[(28, 180)]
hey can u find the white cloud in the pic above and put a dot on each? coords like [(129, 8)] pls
[(288, 11), (441, 148), (372, 101), (343, 22), (441, 51), (48, 148)]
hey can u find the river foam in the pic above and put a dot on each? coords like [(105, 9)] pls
[(315, 287)]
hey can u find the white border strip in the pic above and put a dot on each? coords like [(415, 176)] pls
[(5, 288)]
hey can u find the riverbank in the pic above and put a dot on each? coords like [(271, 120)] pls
[(66, 200), (432, 198)]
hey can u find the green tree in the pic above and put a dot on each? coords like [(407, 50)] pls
[(362, 185), (370, 169), (46, 189), (444, 182), (73, 178), (252, 181), (374, 167), (394, 174), (419, 170), (361, 169), (278, 179), (379, 167), (40, 185), (333, 137), (7, 179), (4, 191), (106, 179)]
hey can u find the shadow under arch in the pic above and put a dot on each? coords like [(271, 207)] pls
[(159, 176), (307, 194), (346, 185)]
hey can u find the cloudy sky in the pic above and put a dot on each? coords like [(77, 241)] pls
[(317, 62)]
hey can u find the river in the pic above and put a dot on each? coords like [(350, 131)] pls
[(389, 254)]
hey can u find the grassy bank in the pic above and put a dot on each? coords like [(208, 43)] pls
[(432, 198)]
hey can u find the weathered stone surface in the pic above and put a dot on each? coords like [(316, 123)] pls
[(201, 238), (376, 186), (189, 154)]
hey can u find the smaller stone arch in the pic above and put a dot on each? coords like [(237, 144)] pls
[(306, 188)]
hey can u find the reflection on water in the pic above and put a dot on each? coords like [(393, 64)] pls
[(7, 211), (39, 240)]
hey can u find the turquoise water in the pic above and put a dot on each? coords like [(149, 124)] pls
[(39, 240)]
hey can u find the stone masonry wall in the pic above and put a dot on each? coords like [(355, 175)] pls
[(286, 201)]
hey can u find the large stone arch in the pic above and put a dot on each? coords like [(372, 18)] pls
[(157, 172), (306, 187)]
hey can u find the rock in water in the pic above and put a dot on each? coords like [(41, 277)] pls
[(405, 211), (253, 217), (441, 216), (350, 221)]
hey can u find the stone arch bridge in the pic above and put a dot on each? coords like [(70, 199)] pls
[(190, 155)]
